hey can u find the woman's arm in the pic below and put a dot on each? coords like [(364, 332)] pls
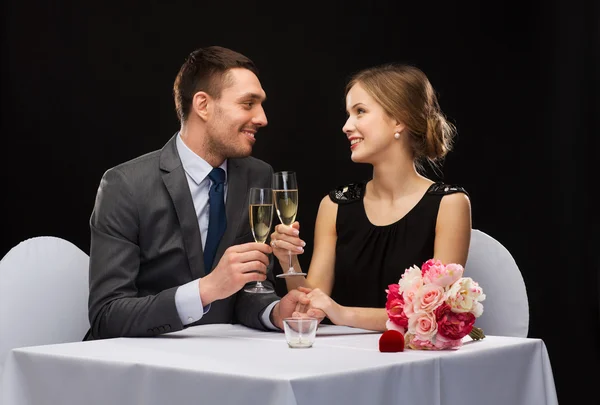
[(453, 229), (356, 317), (321, 269)]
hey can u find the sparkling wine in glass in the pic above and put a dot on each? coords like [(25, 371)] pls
[(261, 217), (285, 195)]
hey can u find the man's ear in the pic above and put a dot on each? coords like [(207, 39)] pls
[(200, 105)]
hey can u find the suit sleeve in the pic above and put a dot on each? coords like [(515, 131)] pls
[(115, 310)]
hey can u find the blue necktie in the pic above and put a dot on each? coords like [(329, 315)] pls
[(217, 221)]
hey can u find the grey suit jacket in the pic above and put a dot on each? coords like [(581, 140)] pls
[(145, 242)]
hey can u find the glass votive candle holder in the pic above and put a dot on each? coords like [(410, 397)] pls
[(300, 332)]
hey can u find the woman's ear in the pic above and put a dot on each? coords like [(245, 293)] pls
[(399, 128)]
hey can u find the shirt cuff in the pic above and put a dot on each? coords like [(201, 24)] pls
[(189, 303), (266, 316)]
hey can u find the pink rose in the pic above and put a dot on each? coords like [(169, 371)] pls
[(428, 264), (413, 342), (395, 307), (452, 325), (441, 343), (441, 275), (409, 300), (393, 289), (423, 325), (428, 298)]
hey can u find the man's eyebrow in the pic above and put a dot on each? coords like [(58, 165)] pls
[(253, 96)]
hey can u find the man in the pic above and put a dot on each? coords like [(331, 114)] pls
[(151, 224)]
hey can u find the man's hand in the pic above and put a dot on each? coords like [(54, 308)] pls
[(287, 306), (239, 265), (303, 310)]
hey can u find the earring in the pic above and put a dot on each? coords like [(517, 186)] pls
[(397, 135)]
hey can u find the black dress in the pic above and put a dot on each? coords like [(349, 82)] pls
[(369, 257)]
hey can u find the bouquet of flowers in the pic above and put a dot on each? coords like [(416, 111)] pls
[(434, 307)]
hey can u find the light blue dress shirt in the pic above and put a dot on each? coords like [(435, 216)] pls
[(187, 297)]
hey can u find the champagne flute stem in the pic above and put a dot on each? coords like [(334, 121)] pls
[(291, 266)]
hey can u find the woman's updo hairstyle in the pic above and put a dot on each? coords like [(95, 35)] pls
[(406, 94)]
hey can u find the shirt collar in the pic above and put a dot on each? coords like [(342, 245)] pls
[(196, 167)]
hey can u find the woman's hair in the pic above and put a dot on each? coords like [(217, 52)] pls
[(406, 94), (205, 70)]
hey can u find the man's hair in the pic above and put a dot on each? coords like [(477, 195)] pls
[(205, 69)]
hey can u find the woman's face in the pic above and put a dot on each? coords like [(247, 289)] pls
[(369, 129)]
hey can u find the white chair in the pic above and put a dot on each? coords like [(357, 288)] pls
[(506, 308), (43, 294)]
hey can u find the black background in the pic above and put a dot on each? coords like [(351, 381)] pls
[(87, 86)]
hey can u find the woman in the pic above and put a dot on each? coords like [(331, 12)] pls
[(368, 233)]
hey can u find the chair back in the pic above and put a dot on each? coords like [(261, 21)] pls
[(43, 294), (506, 308)]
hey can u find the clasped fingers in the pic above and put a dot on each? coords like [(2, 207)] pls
[(322, 304)]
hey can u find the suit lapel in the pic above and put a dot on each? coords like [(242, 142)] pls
[(175, 181), (236, 205)]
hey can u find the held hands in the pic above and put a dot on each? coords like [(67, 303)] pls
[(287, 306), (240, 264), (285, 239), (321, 305)]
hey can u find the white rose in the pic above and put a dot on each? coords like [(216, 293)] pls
[(465, 295), (410, 280)]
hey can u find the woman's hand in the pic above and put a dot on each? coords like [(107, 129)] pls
[(321, 303), (284, 240)]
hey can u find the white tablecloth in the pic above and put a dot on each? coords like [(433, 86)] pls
[(231, 364)]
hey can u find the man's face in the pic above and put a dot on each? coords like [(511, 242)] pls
[(236, 116)]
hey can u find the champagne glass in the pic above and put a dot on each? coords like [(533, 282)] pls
[(261, 217), (285, 193)]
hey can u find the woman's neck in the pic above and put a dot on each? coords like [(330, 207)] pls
[(396, 179)]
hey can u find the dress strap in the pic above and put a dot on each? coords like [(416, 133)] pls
[(444, 189), (347, 194)]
